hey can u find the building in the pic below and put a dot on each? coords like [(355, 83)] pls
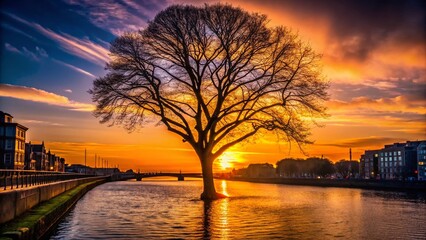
[(12, 141), (30, 162), (38, 156), (369, 164), (79, 168), (395, 161), (421, 161), (52, 160), (399, 160), (260, 170), (55, 163), (61, 165)]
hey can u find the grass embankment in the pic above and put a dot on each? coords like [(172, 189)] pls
[(40, 220)]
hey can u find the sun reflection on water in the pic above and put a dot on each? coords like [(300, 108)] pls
[(224, 188), (169, 210), (223, 211), (224, 224)]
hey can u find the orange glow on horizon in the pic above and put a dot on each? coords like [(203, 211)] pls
[(373, 101)]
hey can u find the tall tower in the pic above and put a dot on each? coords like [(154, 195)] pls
[(350, 162)]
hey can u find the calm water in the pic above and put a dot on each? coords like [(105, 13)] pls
[(168, 209)]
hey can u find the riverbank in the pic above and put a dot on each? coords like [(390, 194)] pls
[(40, 220), (342, 183)]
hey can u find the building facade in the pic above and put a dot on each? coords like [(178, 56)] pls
[(395, 161), (37, 157), (399, 160), (30, 162), (369, 164), (421, 161), (12, 143)]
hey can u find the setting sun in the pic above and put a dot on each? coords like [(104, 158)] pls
[(214, 119), (227, 160)]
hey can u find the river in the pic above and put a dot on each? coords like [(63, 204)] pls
[(168, 209)]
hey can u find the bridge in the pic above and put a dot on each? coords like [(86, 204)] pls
[(180, 176)]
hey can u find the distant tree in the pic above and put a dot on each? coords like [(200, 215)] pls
[(347, 168), (289, 167), (214, 75), (342, 168), (354, 168), (310, 167), (320, 166)]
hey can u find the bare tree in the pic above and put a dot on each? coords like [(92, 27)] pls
[(215, 75)]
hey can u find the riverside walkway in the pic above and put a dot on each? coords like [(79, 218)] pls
[(31, 212), (19, 179)]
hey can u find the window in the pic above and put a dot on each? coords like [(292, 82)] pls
[(386, 159), (399, 153), (386, 153), (7, 158), (8, 144), (10, 131), (399, 158)]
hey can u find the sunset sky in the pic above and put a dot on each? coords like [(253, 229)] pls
[(374, 55)]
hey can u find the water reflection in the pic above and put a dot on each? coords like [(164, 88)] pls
[(171, 210), (224, 187), (416, 197), (207, 220), (215, 215)]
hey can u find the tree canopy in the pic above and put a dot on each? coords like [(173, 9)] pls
[(215, 75)]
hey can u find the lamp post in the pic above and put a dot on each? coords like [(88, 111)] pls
[(85, 166)]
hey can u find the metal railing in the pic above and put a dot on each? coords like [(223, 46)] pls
[(13, 179)]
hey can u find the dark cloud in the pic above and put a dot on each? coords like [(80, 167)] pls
[(364, 142), (118, 16), (359, 26), (409, 88)]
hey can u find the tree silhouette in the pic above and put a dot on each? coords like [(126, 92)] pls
[(215, 75)]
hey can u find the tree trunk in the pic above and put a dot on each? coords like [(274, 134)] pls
[(209, 191)]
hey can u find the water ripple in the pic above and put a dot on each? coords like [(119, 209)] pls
[(171, 210)]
